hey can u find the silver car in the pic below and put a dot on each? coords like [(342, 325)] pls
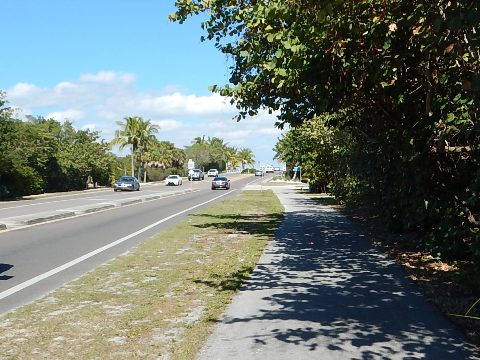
[(220, 182), (196, 174), (126, 183)]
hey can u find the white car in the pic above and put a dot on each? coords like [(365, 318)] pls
[(212, 172), (173, 180), (269, 169)]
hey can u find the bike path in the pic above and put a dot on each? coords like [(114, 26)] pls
[(322, 291)]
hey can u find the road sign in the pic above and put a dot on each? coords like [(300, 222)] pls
[(190, 164)]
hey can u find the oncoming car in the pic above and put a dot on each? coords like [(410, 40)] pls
[(220, 182), (212, 172), (269, 169), (128, 183), (258, 173), (173, 180)]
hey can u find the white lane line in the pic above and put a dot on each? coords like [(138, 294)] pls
[(78, 260)]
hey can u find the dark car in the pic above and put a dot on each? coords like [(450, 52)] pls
[(220, 182), (127, 183), (196, 174)]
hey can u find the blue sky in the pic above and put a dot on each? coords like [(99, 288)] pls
[(95, 62)]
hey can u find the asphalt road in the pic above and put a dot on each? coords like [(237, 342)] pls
[(36, 259)]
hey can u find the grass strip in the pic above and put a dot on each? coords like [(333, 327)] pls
[(158, 301)]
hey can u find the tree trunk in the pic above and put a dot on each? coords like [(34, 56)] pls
[(133, 168)]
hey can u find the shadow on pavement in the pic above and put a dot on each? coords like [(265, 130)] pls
[(5, 268), (323, 285)]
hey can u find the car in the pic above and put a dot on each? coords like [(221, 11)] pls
[(126, 183), (258, 173), (276, 169), (220, 182), (212, 172), (269, 169), (196, 174), (173, 180)]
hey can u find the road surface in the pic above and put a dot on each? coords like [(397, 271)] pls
[(36, 259)]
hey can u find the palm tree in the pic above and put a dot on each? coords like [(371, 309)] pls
[(146, 137), (161, 154), (127, 135), (246, 157), (199, 140), (231, 156), (218, 152), (136, 132), (179, 157), (164, 154)]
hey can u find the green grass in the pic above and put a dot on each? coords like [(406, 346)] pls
[(160, 300)]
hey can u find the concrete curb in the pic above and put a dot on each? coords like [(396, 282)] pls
[(271, 187), (37, 218), (87, 209)]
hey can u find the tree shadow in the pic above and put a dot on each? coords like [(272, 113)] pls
[(247, 224), (323, 200), (230, 282), (322, 287), (5, 268)]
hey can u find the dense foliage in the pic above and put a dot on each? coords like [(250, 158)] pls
[(393, 87), (215, 153), (42, 155)]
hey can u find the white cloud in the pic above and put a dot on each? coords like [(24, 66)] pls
[(91, 127), (97, 101), (23, 90), (108, 77), (71, 115), (168, 125), (268, 131)]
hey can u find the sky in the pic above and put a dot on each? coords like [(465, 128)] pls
[(94, 62)]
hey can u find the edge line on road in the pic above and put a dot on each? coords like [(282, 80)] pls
[(78, 260)]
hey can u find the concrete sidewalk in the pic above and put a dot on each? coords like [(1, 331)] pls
[(321, 291)]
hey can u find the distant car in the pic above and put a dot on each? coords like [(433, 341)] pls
[(269, 169), (196, 174), (258, 173), (173, 180), (126, 183), (212, 172), (276, 169), (220, 182)]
